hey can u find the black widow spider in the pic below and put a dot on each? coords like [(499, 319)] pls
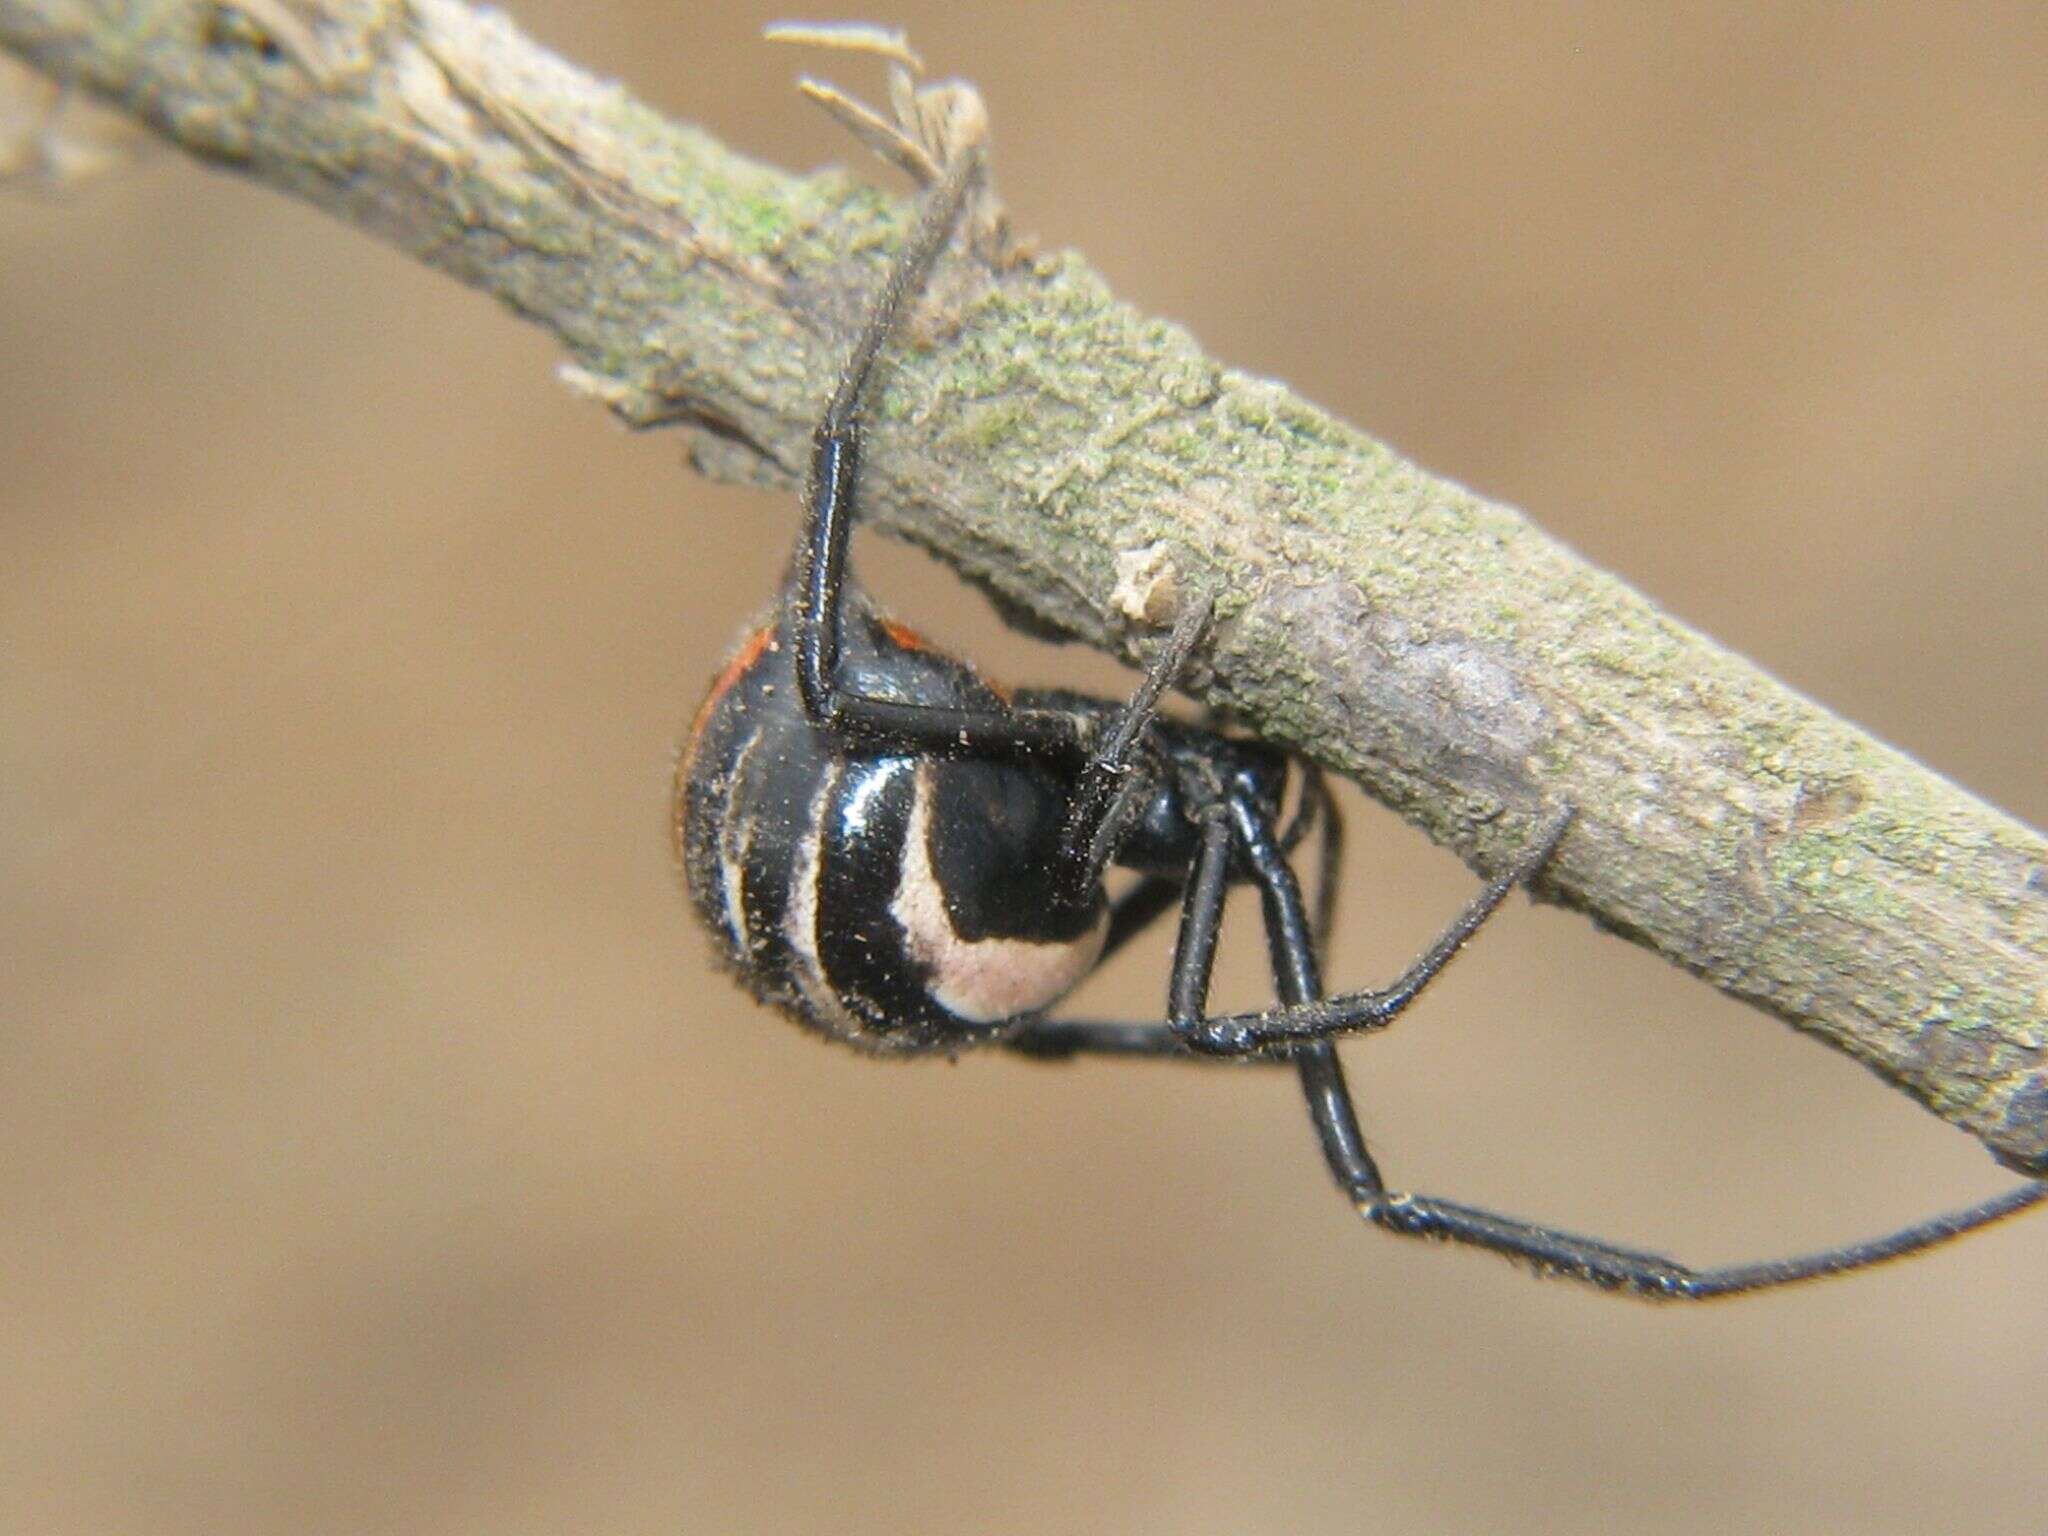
[(908, 859)]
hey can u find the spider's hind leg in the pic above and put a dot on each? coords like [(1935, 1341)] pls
[(819, 578), (1602, 1265), (1568, 1255)]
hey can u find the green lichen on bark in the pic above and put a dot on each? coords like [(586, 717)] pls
[(1435, 646)]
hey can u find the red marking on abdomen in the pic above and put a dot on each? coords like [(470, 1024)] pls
[(910, 640), (750, 651), (905, 636)]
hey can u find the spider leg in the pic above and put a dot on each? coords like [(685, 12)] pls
[(1109, 783), (1318, 811), (1063, 1039), (1548, 1251), (1315, 1017), (1194, 957), (819, 580), (1144, 903), (1590, 1261)]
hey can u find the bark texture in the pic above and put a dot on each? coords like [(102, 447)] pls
[(1044, 438)]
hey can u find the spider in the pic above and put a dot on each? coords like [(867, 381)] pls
[(908, 859)]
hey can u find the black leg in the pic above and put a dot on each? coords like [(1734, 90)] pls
[(1351, 1012), (1546, 1250), (1194, 958), (1194, 952), (1144, 903), (1201, 919), (1109, 783), (1064, 1039), (1329, 867), (820, 581), (1590, 1261), (1318, 812)]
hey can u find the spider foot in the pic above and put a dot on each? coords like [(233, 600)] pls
[(926, 129)]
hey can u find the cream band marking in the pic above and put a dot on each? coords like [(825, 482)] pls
[(981, 980)]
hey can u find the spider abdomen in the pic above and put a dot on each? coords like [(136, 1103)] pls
[(898, 902)]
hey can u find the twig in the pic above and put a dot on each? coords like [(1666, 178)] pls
[(1464, 667)]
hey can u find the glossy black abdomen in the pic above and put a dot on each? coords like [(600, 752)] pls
[(900, 903)]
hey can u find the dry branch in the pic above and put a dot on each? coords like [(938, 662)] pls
[(1461, 665)]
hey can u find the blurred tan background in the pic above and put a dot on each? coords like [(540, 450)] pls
[(378, 1151)]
